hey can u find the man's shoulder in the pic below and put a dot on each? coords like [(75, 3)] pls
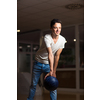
[(47, 36), (62, 37)]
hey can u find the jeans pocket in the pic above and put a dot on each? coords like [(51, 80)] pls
[(47, 68)]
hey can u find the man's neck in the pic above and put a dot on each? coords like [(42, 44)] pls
[(54, 36)]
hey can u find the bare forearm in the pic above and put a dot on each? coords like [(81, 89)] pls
[(51, 61), (56, 59)]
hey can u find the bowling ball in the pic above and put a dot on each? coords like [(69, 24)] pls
[(51, 83)]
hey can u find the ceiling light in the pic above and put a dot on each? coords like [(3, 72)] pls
[(74, 6), (18, 30), (28, 46), (74, 40), (66, 41), (20, 47), (35, 48)]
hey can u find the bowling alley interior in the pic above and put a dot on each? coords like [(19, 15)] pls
[(33, 22)]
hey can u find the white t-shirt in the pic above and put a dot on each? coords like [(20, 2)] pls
[(42, 54)]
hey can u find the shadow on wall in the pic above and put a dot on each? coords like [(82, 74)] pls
[(24, 82)]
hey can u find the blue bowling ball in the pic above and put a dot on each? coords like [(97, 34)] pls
[(51, 83)]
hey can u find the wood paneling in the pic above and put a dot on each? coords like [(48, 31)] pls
[(67, 79)]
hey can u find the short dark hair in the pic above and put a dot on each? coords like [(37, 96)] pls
[(55, 21)]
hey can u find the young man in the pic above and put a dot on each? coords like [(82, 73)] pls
[(47, 57)]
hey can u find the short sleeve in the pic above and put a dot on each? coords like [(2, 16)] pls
[(63, 43), (47, 41)]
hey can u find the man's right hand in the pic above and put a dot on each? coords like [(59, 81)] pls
[(49, 74)]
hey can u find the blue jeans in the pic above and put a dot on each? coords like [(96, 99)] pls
[(38, 69)]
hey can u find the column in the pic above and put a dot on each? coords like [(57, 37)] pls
[(77, 57)]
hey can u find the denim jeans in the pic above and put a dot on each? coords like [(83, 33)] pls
[(37, 70)]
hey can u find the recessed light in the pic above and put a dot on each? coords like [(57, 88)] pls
[(20, 47), (74, 40), (74, 6), (28, 46), (18, 30)]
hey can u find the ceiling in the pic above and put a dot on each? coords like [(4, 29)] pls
[(37, 14)]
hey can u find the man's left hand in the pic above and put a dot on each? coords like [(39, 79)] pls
[(54, 74)]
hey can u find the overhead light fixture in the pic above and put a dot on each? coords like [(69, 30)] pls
[(28, 46), (74, 6), (20, 47), (74, 40), (35, 48), (66, 41), (18, 30)]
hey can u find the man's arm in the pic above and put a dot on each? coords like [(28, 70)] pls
[(51, 61), (56, 59)]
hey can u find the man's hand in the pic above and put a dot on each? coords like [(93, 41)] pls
[(54, 74), (49, 74)]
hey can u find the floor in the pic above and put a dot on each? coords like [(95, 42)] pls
[(45, 96), (23, 84)]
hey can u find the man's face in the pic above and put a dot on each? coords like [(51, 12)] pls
[(56, 29)]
